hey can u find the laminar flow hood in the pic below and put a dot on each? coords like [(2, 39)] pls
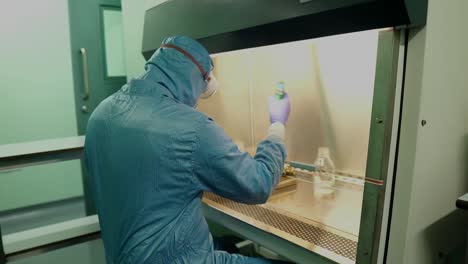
[(238, 24)]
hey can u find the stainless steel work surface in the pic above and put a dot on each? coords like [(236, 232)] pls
[(338, 207), (323, 222)]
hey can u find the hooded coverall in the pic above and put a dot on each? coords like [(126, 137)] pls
[(151, 155)]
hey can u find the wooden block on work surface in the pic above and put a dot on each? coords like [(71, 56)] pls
[(286, 184)]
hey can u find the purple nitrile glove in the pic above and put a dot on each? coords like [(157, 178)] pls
[(279, 109)]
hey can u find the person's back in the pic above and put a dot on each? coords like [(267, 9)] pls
[(143, 141), (151, 155)]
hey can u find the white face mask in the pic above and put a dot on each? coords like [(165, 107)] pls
[(211, 88)]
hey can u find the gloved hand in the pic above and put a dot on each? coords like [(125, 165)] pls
[(279, 109)]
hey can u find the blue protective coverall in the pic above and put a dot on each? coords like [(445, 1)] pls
[(151, 155)]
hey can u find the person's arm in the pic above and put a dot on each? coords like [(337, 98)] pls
[(220, 167)]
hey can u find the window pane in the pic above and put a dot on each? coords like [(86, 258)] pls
[(114, 45), (330, 82)]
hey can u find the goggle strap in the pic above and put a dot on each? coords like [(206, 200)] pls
[(200, 68)]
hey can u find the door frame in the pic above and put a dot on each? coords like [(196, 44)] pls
[(382, 147)]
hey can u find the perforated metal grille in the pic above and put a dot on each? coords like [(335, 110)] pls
[(317, 236)]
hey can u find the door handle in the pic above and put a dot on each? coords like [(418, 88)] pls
[(84, 57)]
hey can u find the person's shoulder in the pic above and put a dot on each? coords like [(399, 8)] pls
[(206, 125), (203, 119), (193, 114), (100, 112)]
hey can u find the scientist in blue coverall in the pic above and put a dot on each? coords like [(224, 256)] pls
[(151, 155)]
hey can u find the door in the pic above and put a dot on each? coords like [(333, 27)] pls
[(97, 60)]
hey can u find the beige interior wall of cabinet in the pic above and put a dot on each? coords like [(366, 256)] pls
[(293, 64), (330, 82), (347, 66), (230, 107)]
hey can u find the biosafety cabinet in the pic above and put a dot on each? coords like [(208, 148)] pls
[(341, 62)]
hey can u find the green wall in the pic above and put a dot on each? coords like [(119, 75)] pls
[(36, 97)]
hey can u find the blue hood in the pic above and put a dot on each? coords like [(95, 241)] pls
[(176, 72)]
